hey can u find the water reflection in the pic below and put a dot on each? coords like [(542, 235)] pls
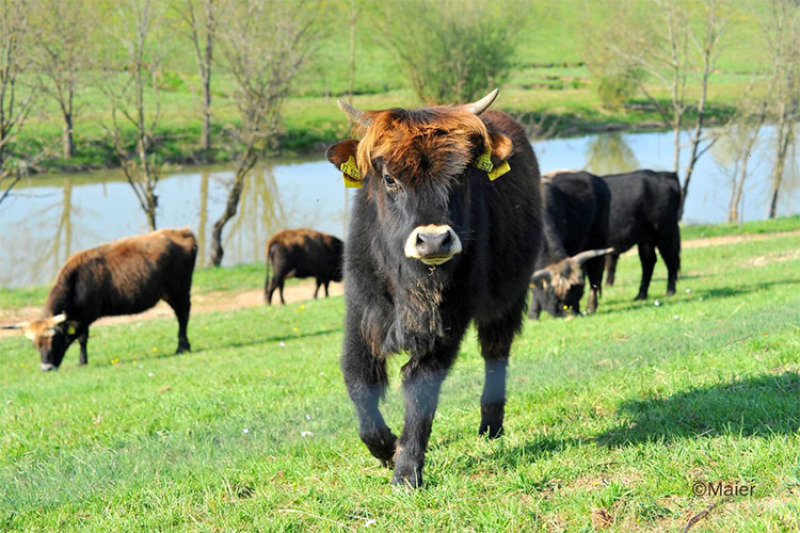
[(50, 217), (609, 154)]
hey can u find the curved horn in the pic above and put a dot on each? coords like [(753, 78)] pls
[(354, 114), (542, 273), (481, 105), (582, 257), (58, 319)]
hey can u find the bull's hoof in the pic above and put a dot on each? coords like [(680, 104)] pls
[(407, 474), (382, 444), (491, 430), (182, 348), (671, 292), (640, 297)]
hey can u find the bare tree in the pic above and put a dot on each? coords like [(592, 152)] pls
[(674, 49), (741, 138), (135, 99), (783, 36), (201, 21), (15, 104), (62, 53), (263, 45)]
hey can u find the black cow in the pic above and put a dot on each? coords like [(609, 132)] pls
[(120, 278), (445, 230), (644, 211), (576, 206), (302, 253)]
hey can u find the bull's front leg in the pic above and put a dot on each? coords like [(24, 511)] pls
[(366, 380), (422, 382), (496, 338), (83, 338)]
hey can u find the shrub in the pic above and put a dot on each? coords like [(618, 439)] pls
[(452, 50)]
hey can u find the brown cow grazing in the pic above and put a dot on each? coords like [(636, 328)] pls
[(302, 253), (444, 231), (119, 278)]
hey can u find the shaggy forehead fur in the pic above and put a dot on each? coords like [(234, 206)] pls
[(566, 273), (422, 145)]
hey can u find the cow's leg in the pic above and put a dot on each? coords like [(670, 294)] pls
[(268, 289), (366, 380), (182, 306), (280, 291), (316, 291), (327, 282), (535, 309), (594, 271), (611, 268), (671, 254), (422, 382), (83, 338), (495, 338), (647, 256)]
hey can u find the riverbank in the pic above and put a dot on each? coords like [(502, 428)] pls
[(241, 287), (316, 123)]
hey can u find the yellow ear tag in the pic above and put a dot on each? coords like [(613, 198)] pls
[(351, 175), (484, 161), (499, 170), (70, 330)]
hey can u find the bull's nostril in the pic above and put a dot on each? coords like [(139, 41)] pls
[(447, 240), (420, 239)]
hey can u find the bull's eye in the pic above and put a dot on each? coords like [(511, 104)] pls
[(391, 185)]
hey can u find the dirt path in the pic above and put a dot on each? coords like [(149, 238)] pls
[(304, 290)]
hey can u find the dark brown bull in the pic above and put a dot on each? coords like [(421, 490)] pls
[(445, 231), (119, 278), (302, 253), (644, 212), (575, 214)]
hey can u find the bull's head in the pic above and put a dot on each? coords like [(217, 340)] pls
[(415, 165), (51, 336), (559, 286)]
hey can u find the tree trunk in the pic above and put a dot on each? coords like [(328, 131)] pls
[(785, 137), (150, 212), (201, 229), (67, 137), (231, 206), (207, 117)]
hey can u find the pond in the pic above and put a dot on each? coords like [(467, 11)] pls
[(47, 218)]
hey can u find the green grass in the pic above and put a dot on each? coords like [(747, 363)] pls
[(747, 228), (614, 415)]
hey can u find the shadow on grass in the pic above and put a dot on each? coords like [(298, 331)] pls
[(514, 457), (756, 407), (267, 340), (706, 294)]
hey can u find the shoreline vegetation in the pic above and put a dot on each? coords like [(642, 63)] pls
[(309, 135)]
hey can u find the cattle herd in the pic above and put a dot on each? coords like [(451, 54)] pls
[(452, 225)]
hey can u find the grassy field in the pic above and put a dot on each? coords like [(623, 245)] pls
[(612, 419), (550, 85)]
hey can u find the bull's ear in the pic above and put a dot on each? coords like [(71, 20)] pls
[(343, 156), (502, 147), (341, 152)]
